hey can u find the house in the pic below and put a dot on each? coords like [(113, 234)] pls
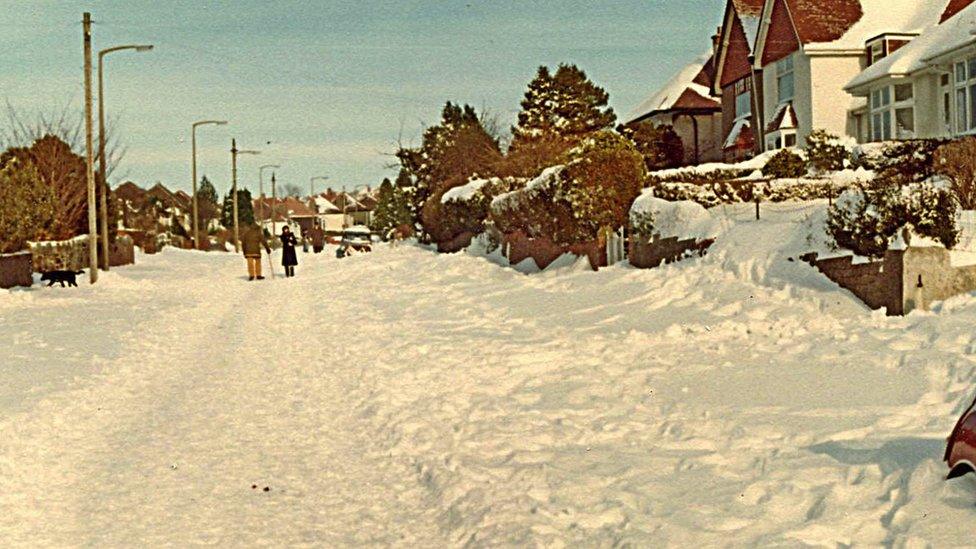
[(925, 87), (685, 103), (808, 49), (736, 81)]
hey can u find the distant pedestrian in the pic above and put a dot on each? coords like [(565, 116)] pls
[(252, 240), (288, 257), (318, 237), (304, 241)]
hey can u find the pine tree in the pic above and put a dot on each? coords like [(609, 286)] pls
[(245, 209), (563, 105), (28, 206), (207, 207)]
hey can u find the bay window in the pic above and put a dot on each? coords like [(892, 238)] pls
[(965, 90), (893, 112)]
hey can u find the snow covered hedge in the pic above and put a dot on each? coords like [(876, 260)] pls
[(868, 218), (651, 216), (464, 209), (592, 189)]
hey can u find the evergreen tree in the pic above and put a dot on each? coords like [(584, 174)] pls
[(564, 105), (449, 154), (207, 206), (245, 209), (392, 208)]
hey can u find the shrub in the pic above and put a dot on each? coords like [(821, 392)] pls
[(864, 220), (785, 164), (660, 146), (570, 203), (909, 161), (825, 153), (28, 206), (956, 161), (642, 224), (445, 220)]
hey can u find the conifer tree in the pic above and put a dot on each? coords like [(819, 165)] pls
[(564, 105), (207, 208), (245, 209)]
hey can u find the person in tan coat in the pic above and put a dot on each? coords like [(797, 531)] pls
[(252, 240)]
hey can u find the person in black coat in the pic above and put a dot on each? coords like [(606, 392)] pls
[(288, 257)]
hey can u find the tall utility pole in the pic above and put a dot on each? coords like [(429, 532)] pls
[(234, 151), (103, 202), (196, 215), (233, 194), (274, 204), (261, 184), (90, 156)]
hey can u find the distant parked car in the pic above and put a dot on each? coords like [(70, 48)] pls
[(357, 237), (960, 452)]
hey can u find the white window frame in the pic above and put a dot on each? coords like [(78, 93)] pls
[(785, 67), (964, 96), (742, 88), (884, 107), (777, 140), (877, 51)]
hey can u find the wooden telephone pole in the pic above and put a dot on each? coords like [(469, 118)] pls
[(90, 157)]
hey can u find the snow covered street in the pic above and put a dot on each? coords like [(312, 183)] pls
[(408, 398)]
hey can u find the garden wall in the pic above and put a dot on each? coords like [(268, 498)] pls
[(903, 281), (544, 251), (15, 270), (648, 254), (72, 255)]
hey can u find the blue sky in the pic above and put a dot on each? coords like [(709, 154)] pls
[(331, 84)]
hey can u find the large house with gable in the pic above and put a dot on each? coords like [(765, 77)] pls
[(925, 88), (809, 49), (736, 81)]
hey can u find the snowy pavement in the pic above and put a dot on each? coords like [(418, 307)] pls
[(406, 398)]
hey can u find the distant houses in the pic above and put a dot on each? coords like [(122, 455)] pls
[(777, 70), (332, 210)]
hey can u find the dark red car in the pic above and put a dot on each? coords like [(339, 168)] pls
[(960, 452)]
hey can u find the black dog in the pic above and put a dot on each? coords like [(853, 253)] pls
[(61, 277)]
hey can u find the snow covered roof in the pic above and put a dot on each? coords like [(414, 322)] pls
[(324, 205), (740, 126), (916, 55), (784, 119), (689, 89), (845, 25)]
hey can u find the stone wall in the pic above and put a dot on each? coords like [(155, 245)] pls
[(903, 281), (646, 254), (15, 270), (72, 255)]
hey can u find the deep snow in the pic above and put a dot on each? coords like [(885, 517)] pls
[(414, 399)]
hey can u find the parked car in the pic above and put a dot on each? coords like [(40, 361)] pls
[(357, 237), (960, 452)]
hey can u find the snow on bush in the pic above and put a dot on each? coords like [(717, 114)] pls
[(866, 219), (956, 161), (785, 164), (651, 216), (827, 152), (570, 203), (465, 208)]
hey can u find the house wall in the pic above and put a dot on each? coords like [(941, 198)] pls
[(928, 107), (710, 136), (802, 95), (829, 103)]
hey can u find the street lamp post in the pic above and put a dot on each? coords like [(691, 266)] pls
[(90, 154), (196, 215), (103, 203), (261, 183), (233, 161), (311, 184)]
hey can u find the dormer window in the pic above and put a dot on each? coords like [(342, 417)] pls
[(882, 46)]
